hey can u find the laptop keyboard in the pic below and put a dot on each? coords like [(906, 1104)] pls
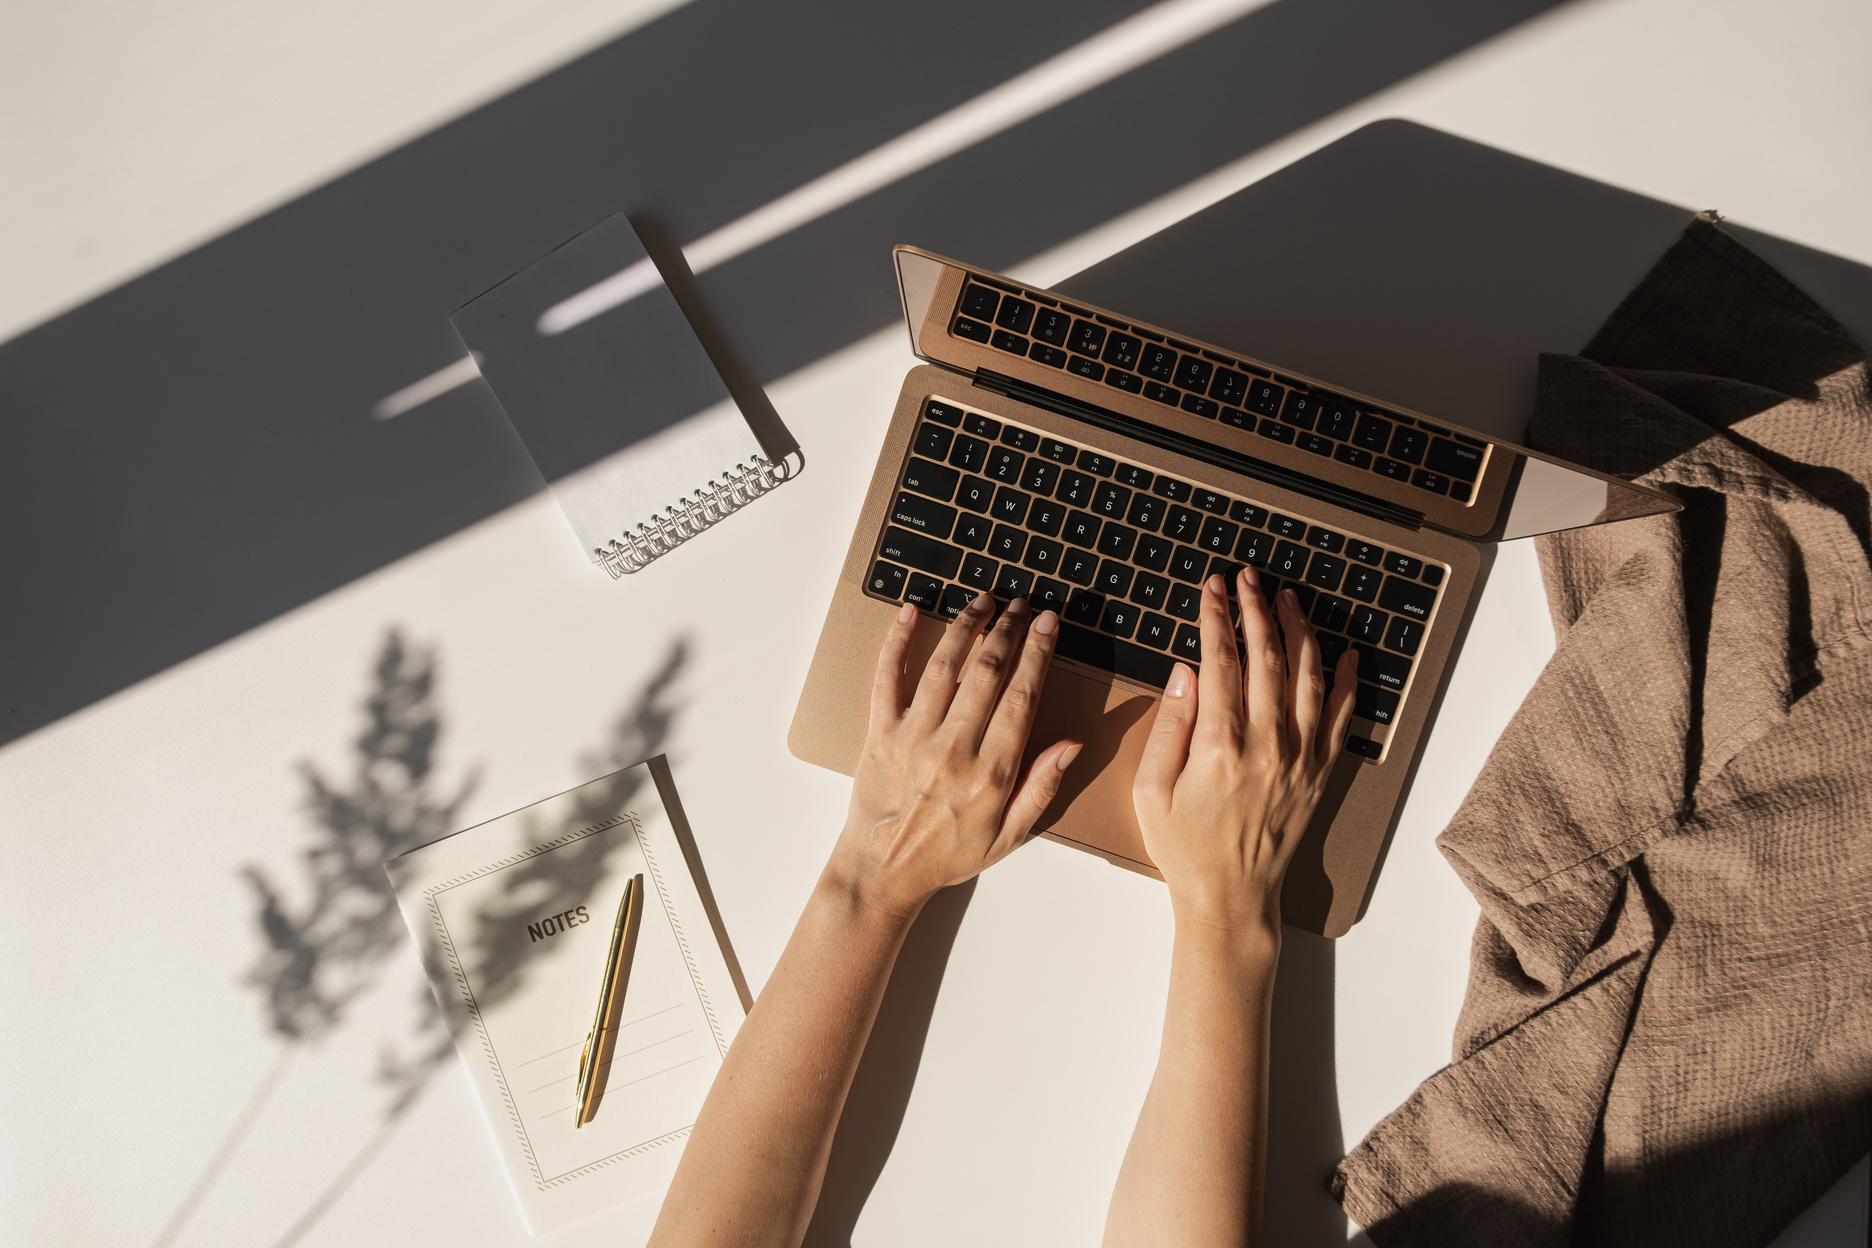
[(1121, 552), (1215, 387)]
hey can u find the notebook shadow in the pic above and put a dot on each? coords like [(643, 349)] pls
[(880, 1091)]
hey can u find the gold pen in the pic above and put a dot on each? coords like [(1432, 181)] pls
[(610, 994)]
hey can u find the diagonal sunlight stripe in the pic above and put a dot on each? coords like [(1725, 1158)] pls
[(1114, 51)]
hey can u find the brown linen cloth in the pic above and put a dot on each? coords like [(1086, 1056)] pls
[(1667, 1037)]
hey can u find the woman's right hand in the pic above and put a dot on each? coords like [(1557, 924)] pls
[(1238, 758)]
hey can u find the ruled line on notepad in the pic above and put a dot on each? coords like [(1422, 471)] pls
[(621, 1026), (616, 1057), (627, 1083)]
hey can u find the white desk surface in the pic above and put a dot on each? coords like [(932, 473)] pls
[(133, 1043)]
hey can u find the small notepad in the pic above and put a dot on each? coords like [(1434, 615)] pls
[(513, 919), (617, 400)]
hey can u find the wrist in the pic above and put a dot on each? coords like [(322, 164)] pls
[(1243, 920), (859, 896)]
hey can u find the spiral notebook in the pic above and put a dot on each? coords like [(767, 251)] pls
[(618, 401), (513, 919)]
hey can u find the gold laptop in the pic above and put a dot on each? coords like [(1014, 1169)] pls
[(1103, 468)]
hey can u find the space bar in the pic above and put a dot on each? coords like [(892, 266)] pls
[(1109, 654)]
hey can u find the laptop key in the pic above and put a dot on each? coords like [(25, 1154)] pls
[(943, 413), (1157, 392), (1114, 578), (1463, 463), (1400, 564), (1315, 443), (1133, 477), (1287, 526), (1075, 489), (1408, 445), (1364, 747), (1085, 608), (1226, 568), (1020, 439), (1196, 405), (1044, 554), (1005, 464), (1325, 539), (1188, 643), (1004, 341), (923, 515), (974, 331), (1120, 618), (1109, 500), (1146, 512), (1352, 455), (1396, 469), (1435, 482), (1110, 654), (1371, 432), (1096, 464), (973, 532), (1249, 514), (926, 554), (1264, 398), (955, 600), (1184, 602), (980, 301), (1085, 368), (1052, 357), (1081, 529), (1130, 383), (1299, 409), (1050, 325), (1148, 590), (975, 494), (1158, 362), (1193, 373), (1236, 418), (1254, 548), (1364, 552), (1182, 524), (978, 571), (1057, 451), (1229, 386), (1188, 564), (1010, 505), (1015, 314), (933, 480), (1367, 624), (968, 454), (1039, 476), (1121, 351), (1046, 516), (1325, 571), (1289, 560), (1406, 597), (1156, 630), (1048, 594), (1115, 541), (1361, 583), (1210, 501), (933, 440), (1218, 536), (1332, 612), (888, 579), (1079, 566), (981, 426), (1391, 671), (924, 592), (1086, 338), (1007, 543), (1172, 489), (1153, 552), (1275, 430), (1403, 635), (1013, 583), (1331, 645), (1433, 575), (1335, 419)]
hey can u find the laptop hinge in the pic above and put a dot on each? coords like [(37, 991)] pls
[(1234, 461)]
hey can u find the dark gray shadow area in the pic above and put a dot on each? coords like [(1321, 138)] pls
[(1304, 1143), (190, 455), (880, 1091)]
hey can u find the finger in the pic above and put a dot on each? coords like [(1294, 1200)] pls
[(1305, 686), (938, 686), (1221, 677), (1036, 792), (1338, 709), (1267, 669), (887, 683), (1167, 747), (1012, 718), (987, 672)]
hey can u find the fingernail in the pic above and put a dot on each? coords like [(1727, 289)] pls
[(1254, 578), (1214, 585), (1017, 607), (907, 614), (1290, 600), (1072, 752), (980, 602), (1179, 681), (1046, 624)]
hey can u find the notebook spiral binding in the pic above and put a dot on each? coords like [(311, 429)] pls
[(707, 507)]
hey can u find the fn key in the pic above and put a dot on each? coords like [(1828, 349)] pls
[(887, 580)]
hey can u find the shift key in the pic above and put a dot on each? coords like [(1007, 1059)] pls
[(923, 515), (923, 553)]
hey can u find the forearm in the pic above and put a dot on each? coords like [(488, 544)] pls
[(751, 1171), (1192, 1174)]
